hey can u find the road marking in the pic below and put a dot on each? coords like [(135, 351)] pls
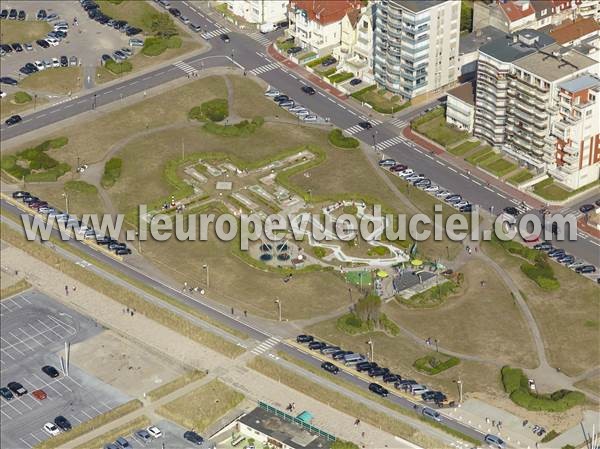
[(214, 33), (501, 195), (429, 156), (440, 162), (487, 188), (464, 176), (107, 92), (42, 115), (476, 182), (264, 69), (353, 129), (293, 76), (322, 94), (452, 169), (185, 67)]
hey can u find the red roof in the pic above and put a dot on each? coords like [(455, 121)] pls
[(569, 31), (326, 11), (517, 10)]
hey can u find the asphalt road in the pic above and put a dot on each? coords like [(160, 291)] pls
[(248, 53), (228, 320)]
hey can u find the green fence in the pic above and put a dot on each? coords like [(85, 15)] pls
[(296, 420)]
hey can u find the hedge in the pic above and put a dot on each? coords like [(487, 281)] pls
[(318, 61), (426, 364), (242, 129), (22, 97), (337, 138), (340, 77), (118, 67), (517, 386), (215, 110), (22, 164), (112, 172), (154, 46), (541, 273)]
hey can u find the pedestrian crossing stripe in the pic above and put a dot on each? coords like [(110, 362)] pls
[(260, 39), (400, 123), (185, 67), (265, 346), (264, 68), (353, 129), (215, 33), (389, 142), (372, 121)]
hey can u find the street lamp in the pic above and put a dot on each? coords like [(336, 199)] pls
[(370, 343), (94, 103), (459, 384), (34, 101), (436, 345), (278, 307), (205, 266), (375, 140), (66, 197)]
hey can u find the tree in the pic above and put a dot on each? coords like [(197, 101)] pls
[(163, 26), (341, 444), (466, 16), (368, 309)]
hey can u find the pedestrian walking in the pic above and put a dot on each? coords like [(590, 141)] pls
[(487, 420), (74, 288), (132, 313), (245, 314), (232, 311), (357, 422), (493, 423), (67, 290), (362, 434)]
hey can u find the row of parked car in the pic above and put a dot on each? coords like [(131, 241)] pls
[(422, 182), (362, 364), (291, 105), (38, 66), (143, 436), (42, 207), (561, 256), (52, 39), (93, 11), (117, 55)]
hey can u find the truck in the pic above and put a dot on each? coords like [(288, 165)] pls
[(267, 27)]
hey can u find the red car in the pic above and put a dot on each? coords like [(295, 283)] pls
[(40, 395)]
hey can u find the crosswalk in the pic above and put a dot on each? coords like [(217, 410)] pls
[(260, 38), (399, 123), (264, 68), (390, 142), (215, 33), (185, 67), (372, 121), (265, 346), (354, 129), (522, 207)]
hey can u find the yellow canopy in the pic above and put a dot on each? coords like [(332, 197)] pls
[(416, 262), (382, 274)]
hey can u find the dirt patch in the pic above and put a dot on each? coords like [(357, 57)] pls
[(123, 364)]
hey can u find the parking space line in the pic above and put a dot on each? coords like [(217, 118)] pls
[(83, 411), (33, 337), (60, 337), (20, 341), (13, 407), (35, 438), (76, 419), (47, 384), (5, 414), (25, 299), (71, 330), (25, 442), (96, 410), (44, 335)]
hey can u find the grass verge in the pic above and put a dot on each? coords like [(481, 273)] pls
[(337, 138), (552, 192), (175, 384), (464, 147), (124, 296), (88, 426), (203, 406), (126, 429), (18, 287), (521, 176), (343, 403), (23, 31), (58, 80), (378, 101)]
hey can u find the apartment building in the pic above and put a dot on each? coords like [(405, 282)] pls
[(494, 66), (535, 107), (583, 34), (259, 11), (589, 9), (460, 106), (316, 25), (355, 52), (577, 157), (416, 45)]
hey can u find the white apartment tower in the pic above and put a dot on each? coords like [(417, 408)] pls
[(259, 11), (416, 45)]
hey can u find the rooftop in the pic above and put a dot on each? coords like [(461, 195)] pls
[(473, 41), (569, 31), (284, 431), (554, 62), (464, 92), (516, 10), (509, 48), (580, 83), (418, 5), (325, 11)]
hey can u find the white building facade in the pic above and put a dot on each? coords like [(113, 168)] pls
[(259, 11)]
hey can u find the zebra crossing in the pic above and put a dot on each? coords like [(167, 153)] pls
[(354, 129), (185, 67), (263, 40), (265, 346), (399, 123), (215, 33), (264, 68), (522, 207), (390, 142)]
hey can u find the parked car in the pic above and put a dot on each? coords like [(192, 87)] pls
[(225, 38), (143, 436), (73, 61), (22, 15), (587, 208), (495, 441), (4, 14), (378, 389), (330, 367), (378, 371), (13, 120), (134, 42), (193, 437), (41, 14), (42, 43), (51, 429), (308, 90), (40, 394), (6, 393), (432, 414), (391, 378), (63, 423), (122, 443), (585, 269), (329, 349), (339, 355), (328, 61), (154, 431), (355, 81), (304, 338), (387, 162), (294, 50), (365, 366), (17, 388), (316, 345), (8, 80), (510, 210)]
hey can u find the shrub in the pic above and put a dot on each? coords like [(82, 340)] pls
[(340, 77), (550, 436), (174, 42), (318, 61), (242, 129), (340, 444), (541, 273), (319, 252), (214, 110), (112, 172), (337, 138), (351, 324), (20, 165), (432, 365), (22, 97), (57, 142), (118, 67), (154, 46)]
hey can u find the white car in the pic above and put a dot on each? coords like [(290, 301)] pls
[(154, 431), (55, 62), (272, 93), (461, 204), (52, 41), (443, 194), (431, 189), (51, 429), (2, 94), (310, 118), (39, 65), (406, 173)]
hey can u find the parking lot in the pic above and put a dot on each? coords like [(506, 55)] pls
[(34, 329), (172, 438), (87, 40)]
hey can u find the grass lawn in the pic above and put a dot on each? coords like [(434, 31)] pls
[(174, 385), (439, 131), (521, 176), (136, 13), (480, 155), (249, 100), (13, 289), (547, 189), (58, 80), (571, 343), (202, 407), (23, 31), (83, 197), (487, 315), (8, 105), (499, 167), (591, 383), (380, 102), (464, 147)]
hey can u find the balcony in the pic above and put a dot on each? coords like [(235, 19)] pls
[(570, 149), (570, 159)]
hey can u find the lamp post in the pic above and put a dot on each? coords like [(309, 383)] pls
[(94, 103), (278, 307), (34, 101), (375, 140), (205, 266), (460, 390), (66, 197), (436, 345), (370, 343)]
